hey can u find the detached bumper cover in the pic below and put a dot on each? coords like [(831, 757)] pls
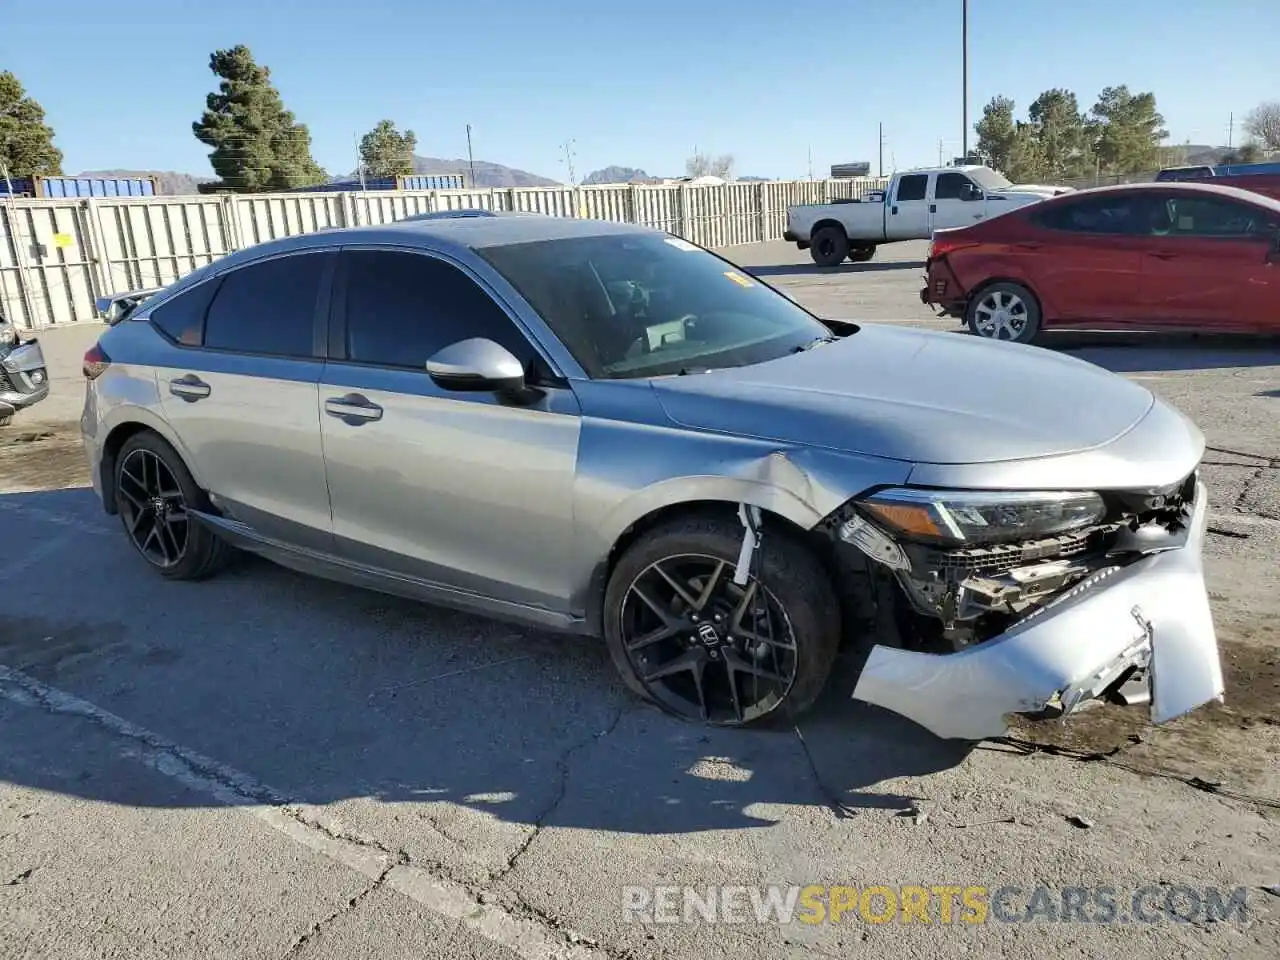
[(1153, 613)]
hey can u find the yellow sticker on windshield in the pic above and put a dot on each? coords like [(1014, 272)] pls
[(738, 278)]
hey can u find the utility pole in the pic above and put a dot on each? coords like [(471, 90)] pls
[(355, 139), (810, 161), (964, 40), (1231, 129), (940, 163), (567, 146), (882, 148), (471, 160)]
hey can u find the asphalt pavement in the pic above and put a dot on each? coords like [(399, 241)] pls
[(266, 765)]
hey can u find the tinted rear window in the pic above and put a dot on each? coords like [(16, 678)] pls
[(268, 307)]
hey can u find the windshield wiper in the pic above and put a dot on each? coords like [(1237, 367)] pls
[(816, 342)]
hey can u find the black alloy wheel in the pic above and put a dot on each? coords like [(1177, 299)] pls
[(153, 508), (704, 647)]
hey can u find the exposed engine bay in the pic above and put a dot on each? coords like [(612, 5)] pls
[(940, 599)]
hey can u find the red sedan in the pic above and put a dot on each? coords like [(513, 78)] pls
[(1143, 256)]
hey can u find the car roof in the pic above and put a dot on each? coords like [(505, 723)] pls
[(1181, 186), (450, 235)]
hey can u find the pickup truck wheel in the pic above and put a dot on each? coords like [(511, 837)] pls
[(1004, 311), (828, 246), (861, 253)]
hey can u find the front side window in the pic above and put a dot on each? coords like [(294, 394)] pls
[(268, 308), (1189, 216), (951, 186), (640, 305), (402, 308)]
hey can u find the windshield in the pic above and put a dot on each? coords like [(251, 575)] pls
[(988, 179), (642, 305)]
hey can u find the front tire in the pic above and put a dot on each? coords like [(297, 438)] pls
[(154, 491), (686, 638), (828, 246), (1004, 311)]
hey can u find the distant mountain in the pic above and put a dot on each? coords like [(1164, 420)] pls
[(615, 174), (488, 174), (168, 182)]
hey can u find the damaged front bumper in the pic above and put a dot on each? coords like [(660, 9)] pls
[(1151, 615), (24, 377)]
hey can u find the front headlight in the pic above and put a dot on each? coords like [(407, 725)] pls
[(968, 517)]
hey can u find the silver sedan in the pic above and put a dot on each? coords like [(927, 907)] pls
[(605, 430)]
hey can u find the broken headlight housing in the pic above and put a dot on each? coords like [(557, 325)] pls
[(971, 517)]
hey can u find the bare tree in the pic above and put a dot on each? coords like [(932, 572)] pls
[(1263, 124), (704, 165)]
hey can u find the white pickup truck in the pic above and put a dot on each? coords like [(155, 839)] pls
[(911, 207)]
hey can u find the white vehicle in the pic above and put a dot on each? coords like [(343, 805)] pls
[(912, 207)]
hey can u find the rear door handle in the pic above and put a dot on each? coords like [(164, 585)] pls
[(933, 208), (353, 409), (189, 387)]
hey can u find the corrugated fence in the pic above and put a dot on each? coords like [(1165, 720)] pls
[(56, 256)]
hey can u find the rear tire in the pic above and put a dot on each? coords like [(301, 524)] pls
[(861, 253), (1004, 311), (733, 661), (154, 493), (828, 246)]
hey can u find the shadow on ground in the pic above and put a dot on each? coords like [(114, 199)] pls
[(325, 693), (810, 269)]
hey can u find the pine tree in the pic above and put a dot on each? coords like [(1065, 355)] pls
[(257, 144), (26, 141), (386, 152)]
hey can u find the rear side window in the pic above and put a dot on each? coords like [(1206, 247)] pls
[(913, 187), (402, 308), (950, 186), (182, 318), (1183, 216), (268, 308), (1118, 215)]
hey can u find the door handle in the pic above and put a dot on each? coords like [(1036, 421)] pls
[(1163, 255), (933, 208), (894, 210), (353, 409), (190, 388)]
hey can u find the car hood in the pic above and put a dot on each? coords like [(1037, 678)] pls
[(916, 396), (1030, 190)]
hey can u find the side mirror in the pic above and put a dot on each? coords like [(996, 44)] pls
[(476, 365)]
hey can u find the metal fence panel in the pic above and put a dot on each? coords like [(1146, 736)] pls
[(57, 255)]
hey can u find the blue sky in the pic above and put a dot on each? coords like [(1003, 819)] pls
[(636, 84)]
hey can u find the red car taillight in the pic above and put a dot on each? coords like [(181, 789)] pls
[(96, 362), (943, 245)]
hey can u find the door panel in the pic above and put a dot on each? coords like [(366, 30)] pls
[(949, 207), (255, 439), (463, 489), (908, 210), (1084, 259), (244, 395), (1206, 262), (458, 489)]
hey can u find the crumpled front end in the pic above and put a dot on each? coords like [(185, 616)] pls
[(1050, 625), (24, 377)]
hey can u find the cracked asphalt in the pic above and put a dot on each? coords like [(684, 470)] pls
[(269, 766)]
